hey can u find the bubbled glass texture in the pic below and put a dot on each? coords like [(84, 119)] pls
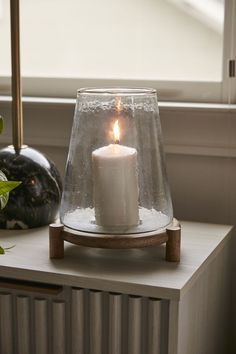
[(95, 113)]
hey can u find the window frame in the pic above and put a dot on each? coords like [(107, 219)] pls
[(223, 91), (228, 94)]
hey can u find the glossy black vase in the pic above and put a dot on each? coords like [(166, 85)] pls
[(36, 201)]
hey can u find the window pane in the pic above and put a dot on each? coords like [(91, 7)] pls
[(125, 39)]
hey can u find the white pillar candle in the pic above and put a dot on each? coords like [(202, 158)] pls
[(115, 183)]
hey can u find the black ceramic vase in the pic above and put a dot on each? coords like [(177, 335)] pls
[(36, 201)]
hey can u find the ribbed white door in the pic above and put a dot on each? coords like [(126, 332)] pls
[(116, 323), (41, 326), (95, 322), (6, 323), (32, 325)]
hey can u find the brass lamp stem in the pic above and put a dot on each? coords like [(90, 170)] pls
[(17, 118)]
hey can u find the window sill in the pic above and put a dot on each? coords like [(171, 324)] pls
[(202, 129)]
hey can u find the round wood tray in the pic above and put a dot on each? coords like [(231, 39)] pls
[(171, 236), (146, 239)]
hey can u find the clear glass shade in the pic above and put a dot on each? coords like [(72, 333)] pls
[(115, 180)]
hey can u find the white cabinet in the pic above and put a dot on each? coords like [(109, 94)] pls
[(116, 301)]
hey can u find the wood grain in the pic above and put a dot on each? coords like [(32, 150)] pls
[(56, 242), (115, 241), (173, 244)]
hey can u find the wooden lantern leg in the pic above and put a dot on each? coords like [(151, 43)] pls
[(173, 244), (56, 242)]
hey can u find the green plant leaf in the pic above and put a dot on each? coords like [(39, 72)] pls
[(2, 176), (3, 250), (3, 200), (7, 186), (1, 124)]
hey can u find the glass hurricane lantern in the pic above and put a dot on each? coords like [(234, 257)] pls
[(116, 193)]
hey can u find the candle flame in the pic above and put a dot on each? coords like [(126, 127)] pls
[(116, 132)]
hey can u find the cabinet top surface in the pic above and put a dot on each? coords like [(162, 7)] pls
[(137, 271)]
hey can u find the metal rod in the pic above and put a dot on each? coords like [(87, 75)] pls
[(17, 120)]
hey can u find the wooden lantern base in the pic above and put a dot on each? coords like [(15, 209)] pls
[(58, 233)]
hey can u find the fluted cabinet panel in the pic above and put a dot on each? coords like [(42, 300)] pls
[(41, 326), (115, 324), (134, 325), (154, 326), (96, 322), (23, 325), (58, 328), (78, 330), (6, 323), (80, 321)]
